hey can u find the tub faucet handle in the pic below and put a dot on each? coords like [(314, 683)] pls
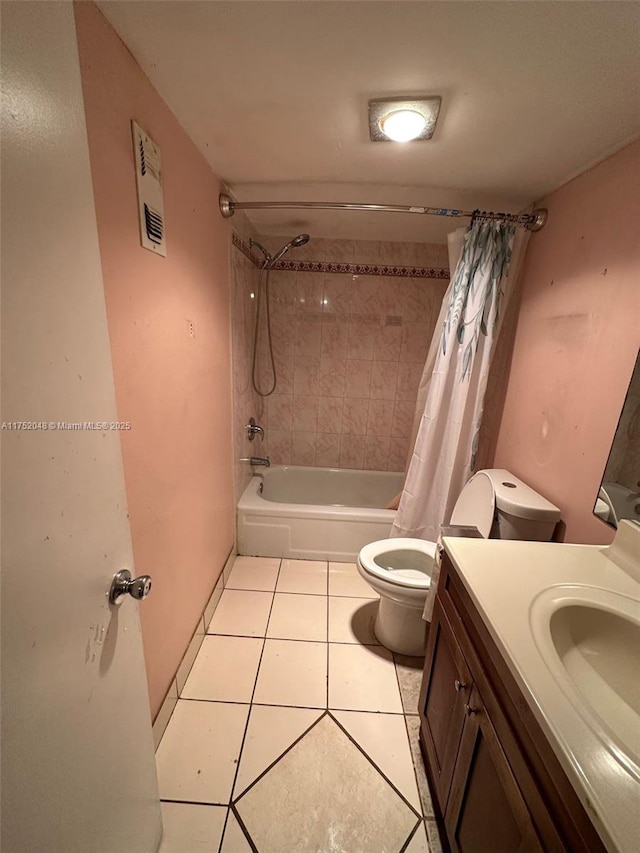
[(253, 429)]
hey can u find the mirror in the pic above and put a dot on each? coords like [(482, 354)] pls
[(619, 495)]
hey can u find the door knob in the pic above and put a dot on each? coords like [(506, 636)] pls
[(459, 685), (123, 583)]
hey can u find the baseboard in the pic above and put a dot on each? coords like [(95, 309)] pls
[(164, 714), (182, 673)]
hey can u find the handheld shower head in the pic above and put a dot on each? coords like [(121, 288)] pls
[(300, 240), (268, 264)]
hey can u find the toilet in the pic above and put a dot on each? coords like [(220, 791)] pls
[(495, 502)]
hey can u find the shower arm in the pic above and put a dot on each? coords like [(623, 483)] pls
[(534, 221)]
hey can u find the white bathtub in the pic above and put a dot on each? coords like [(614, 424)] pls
[(315, 513)]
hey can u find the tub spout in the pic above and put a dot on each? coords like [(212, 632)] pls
[(263, 461)]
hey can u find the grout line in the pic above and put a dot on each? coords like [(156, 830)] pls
[(328, 655), (328, 663), (265, 637), (255, 682), (248, 589), (254, 591), (293, 592), (406, 727), (216, 701), (299, 707), (300, 640), (237, 636), (373, 764), (307, 594), (412, 835), (260, 776), (295, 640), (243, 828), (224, 829), (300, 592)]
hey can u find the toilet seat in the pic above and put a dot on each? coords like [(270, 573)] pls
[(476, 504), (395, 561)]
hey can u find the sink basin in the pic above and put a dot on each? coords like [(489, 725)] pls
[(590, 641)]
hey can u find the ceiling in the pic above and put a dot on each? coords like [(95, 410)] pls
[(274, 94)]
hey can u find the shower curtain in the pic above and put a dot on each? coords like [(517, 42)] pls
[(455, 379)]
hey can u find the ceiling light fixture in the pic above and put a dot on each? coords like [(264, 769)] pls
[(403, 125), (403, 119)]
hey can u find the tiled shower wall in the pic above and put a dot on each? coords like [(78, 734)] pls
[(349, 351), (246, 403)]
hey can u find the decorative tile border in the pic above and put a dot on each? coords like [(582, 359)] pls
[(362, 269), (350, 269), (244, 247)]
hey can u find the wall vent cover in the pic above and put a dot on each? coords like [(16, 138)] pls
[(149, 186), (153, 224)]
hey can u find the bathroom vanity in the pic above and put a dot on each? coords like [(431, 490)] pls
[(519, 754)]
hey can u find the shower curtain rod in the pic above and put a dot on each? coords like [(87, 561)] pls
[(531, 221)]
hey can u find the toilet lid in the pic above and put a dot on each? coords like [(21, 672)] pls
[(476, 505), (403, 561)]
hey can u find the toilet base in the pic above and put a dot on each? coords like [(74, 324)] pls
[(401, 629)]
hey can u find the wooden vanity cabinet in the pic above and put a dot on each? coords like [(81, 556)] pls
[(485, 810), (496, 783), (442, 706)]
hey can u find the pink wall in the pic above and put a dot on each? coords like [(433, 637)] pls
[(576, 341), (175, 388)]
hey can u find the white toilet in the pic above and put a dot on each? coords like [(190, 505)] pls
[(498, 504)]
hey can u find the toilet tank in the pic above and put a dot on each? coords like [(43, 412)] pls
[(521, 512)]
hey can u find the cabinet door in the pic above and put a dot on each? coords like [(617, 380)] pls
[(447, 683), (486, 810)]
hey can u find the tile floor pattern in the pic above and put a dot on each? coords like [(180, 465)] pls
[(296, 732)]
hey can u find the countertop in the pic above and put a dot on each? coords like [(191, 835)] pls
[(504, 580)]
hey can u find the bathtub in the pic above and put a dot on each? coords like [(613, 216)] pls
[(315, 513)]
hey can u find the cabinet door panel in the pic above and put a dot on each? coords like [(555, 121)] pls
[(486, 810), (448, 683)]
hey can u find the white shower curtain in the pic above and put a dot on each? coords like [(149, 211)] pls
[(455, 378)]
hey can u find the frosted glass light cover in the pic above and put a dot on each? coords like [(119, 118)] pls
[(421, 112), (403, 125)]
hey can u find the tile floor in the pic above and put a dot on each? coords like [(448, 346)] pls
[(296, 732)]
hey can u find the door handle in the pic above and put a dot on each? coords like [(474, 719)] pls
[(459, 685), (123, 584)]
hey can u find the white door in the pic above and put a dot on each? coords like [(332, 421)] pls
[(78, 770)]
